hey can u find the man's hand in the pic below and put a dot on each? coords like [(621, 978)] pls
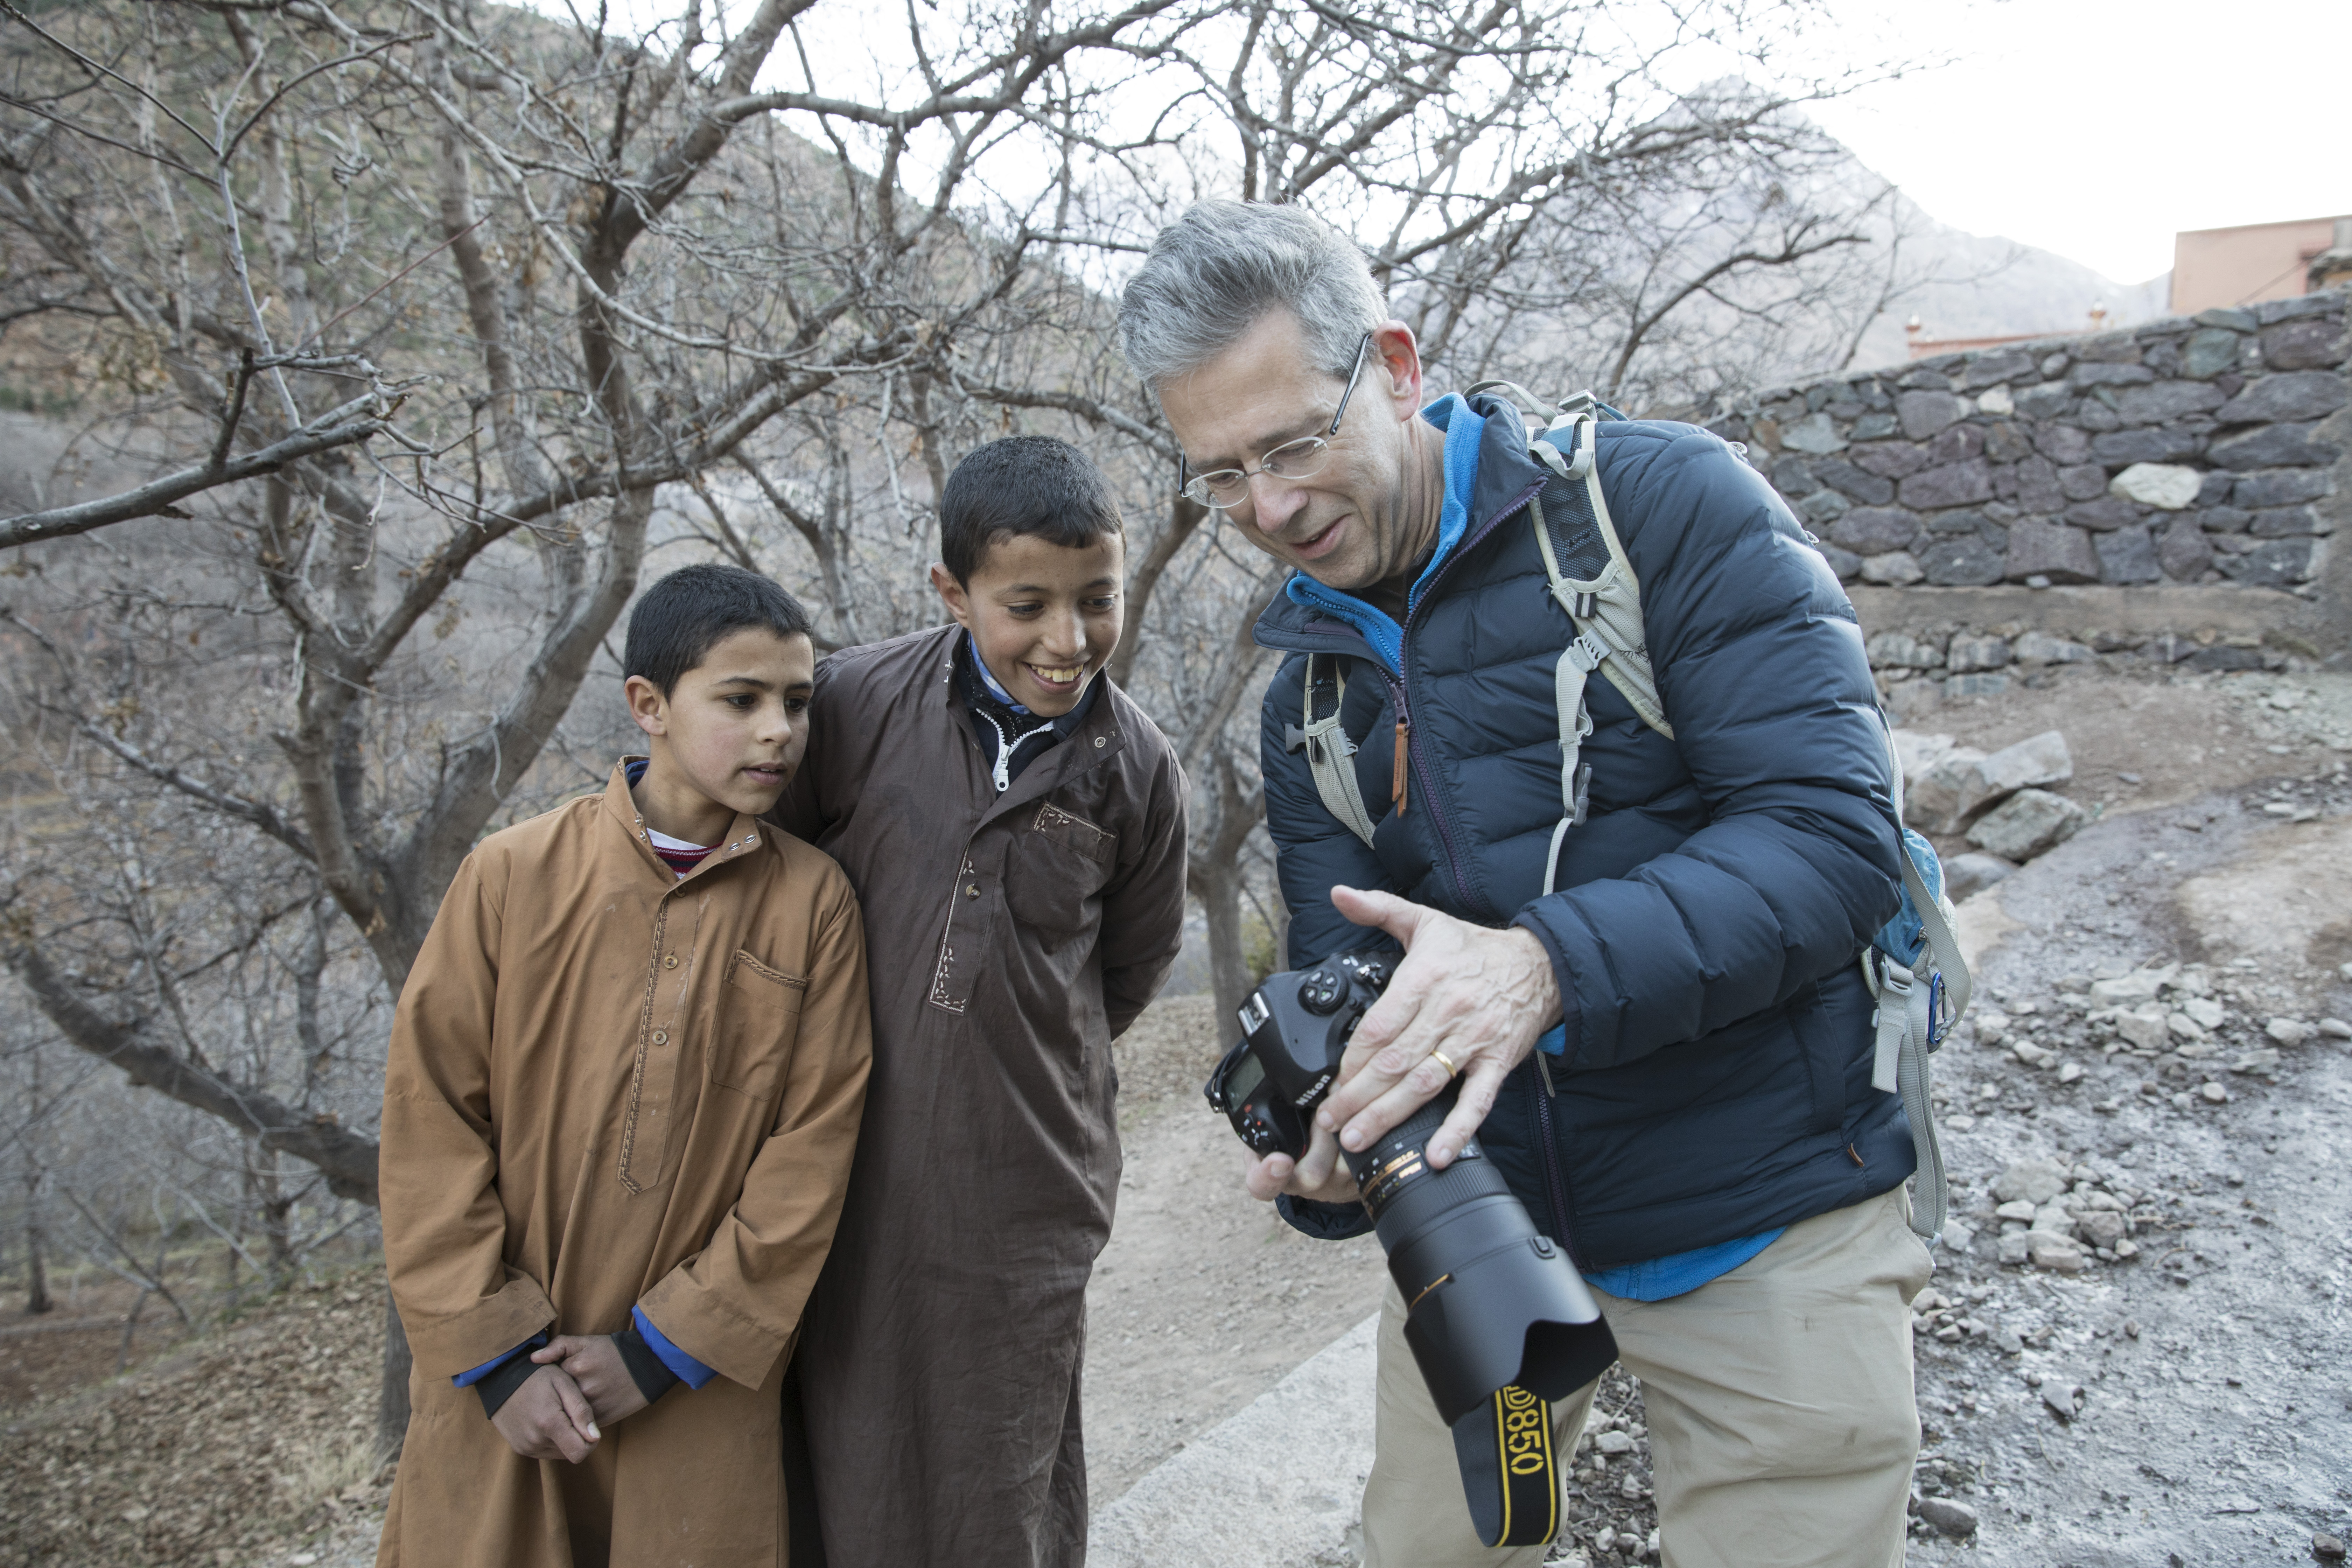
[(1318, 1176), (547, 1418), (592, 1364), (1481, 996)]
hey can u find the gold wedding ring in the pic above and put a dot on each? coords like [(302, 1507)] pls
[(1445, 1061)]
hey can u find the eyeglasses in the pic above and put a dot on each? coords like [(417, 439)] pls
[(1299, 459)]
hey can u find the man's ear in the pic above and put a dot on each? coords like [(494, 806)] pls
[(647, 706), (1398, 358), (952, 593)]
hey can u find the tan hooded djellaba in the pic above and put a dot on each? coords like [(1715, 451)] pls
[(1012, 936), (610, 1088)]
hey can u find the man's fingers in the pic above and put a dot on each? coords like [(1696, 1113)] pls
[(1398, 916), (1322, 1153), (562, 1347), (1266, 1178), (1480, 1085)]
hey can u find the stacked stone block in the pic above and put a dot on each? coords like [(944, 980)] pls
[(2181, 451)]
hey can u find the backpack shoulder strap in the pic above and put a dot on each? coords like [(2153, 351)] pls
[(1331, 754)]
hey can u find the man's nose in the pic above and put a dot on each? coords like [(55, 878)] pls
[(1274, 501)]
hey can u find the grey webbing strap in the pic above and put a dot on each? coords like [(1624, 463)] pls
[(1906, 1022), (1331, 756)]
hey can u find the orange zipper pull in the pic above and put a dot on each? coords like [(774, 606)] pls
[(1397, 772)]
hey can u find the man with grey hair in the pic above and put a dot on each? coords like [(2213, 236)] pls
[(1663, 1036)]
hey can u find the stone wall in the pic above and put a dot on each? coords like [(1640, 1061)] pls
[(2203, 451)]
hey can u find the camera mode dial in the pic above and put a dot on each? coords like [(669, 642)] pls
[(1320, 991)]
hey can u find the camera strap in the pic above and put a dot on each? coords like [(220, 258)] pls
[(1510, 1473)]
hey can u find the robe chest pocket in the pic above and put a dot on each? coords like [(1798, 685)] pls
[(759, 1020), (1055, 869)]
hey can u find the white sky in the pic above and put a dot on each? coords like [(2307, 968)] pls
[(2097, 129)]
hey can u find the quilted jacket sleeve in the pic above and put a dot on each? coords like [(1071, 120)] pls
[(1761, 670)]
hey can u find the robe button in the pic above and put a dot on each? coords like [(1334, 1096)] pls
[(669, 961), (1099, 740), (972, 890), (661, 1036)]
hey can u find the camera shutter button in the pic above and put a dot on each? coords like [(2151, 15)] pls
[(1543, 1246)]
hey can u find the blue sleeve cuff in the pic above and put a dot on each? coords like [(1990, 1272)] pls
[(467, 1378), (690, 1372)]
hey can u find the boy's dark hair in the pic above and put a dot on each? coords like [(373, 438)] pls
[(1023, 485), (682, 617)]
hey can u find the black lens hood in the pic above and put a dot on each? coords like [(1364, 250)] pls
[(1518, 1313)]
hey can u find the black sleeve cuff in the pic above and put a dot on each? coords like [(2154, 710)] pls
[(647, 1371), (496, 1388), (1324, 1222)]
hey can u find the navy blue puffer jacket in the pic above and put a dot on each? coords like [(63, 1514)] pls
[(1716, 1079)]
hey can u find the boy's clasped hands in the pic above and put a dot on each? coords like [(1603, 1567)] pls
[(558, 1413)]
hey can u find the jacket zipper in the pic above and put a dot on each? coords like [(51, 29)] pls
[(1402, 687), (1555, 1180)]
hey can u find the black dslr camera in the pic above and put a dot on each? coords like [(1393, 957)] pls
[(1490, 1303)]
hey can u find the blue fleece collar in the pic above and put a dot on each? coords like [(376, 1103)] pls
[(1463, 428)]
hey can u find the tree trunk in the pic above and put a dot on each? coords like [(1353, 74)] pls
[(1219, 888), (392, 1399), (37, 1264)]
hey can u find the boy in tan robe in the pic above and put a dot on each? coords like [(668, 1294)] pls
[(622, 1099), (1022, 823)]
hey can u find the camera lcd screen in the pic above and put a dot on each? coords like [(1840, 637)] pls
[(1247, 1076)]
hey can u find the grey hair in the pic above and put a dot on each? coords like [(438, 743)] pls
[(1216, 271)]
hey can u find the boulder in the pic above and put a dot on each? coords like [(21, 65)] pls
[(2210, 353), (1940, 797), (2315, 342), (2281, 487), (2273, 564), (2129, 555), (1963, 563), (1896, 569), (1814, 433), (2039, 760), (2029, 823), (2183, 550), (1966, 653), (1973, 873), (1922, 413), (2167, 400), (2106, 513), (2050, 551), (2149, 443), (1899, 650), (2035, 1182), (2041, 648), (2289, 395), (2166, 485), (1916, 750), (2274, 446), (1962, 483), (1875, 530)]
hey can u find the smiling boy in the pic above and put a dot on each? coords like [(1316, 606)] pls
[(1015, 829), (623, 1089)]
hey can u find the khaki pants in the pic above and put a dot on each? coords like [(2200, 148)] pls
[(1779, 1398)]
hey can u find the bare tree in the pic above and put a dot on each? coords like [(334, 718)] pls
[(442, 320)]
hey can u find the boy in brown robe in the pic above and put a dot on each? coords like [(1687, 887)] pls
[(1017, 827), (622, 1094)]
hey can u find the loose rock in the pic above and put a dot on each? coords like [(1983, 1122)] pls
[(2027, 824), (1955, 1520)]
